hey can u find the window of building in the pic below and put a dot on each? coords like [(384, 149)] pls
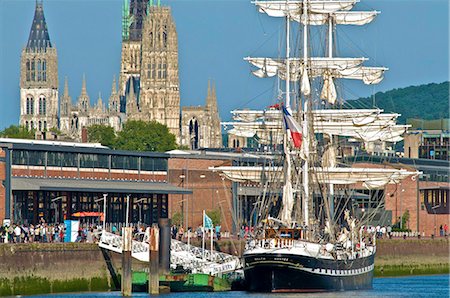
[(20, 157), (45, 125), (149, 70), (31, 125), (165, 36), (36, 158), (28, 70), (124, 162), (26, 125), (33, 73), (164, 70), (159, 70), (69, 159), (39, 71), (44, 70), (42, 105)]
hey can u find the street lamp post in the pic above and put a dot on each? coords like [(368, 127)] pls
[(104, 210), (53, 203), (140, 208)]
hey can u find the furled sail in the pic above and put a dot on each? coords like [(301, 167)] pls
[(292, 8), (338, 17), (378, 177)]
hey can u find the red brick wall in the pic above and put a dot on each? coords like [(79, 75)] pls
[(403, 196), (209, 193)]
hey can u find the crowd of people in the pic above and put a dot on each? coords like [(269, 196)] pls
[(179, 233), (46, 233)]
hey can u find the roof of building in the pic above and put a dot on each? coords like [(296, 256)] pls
[(39, 38), (60, 146), (46, 184)]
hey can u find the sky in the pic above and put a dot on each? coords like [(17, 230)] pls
[(410, 37)]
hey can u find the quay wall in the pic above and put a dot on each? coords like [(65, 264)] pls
[(38, 268), (27, 269)]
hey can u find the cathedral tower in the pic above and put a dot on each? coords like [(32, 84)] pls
[(39, 77), (159, 97), (133, 16)]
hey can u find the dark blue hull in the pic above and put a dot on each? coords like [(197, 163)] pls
[(297, 273)]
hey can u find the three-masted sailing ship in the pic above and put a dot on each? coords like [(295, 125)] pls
[(310, 240)]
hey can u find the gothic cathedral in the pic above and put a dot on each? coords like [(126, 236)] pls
[(148, 90)]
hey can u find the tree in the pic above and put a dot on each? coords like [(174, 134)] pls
[(177, 219), (145, 136), (214, 215), (102, 134), (17, 132)]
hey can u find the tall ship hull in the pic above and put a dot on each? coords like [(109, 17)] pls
[(283, 272)]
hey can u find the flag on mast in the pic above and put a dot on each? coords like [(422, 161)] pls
[(293, 127), (207, 221)]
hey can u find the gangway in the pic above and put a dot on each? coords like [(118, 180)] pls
[(189, 257)]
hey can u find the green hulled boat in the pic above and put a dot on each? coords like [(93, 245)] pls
[(184, 282)]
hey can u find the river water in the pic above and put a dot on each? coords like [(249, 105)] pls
[(411, 286)]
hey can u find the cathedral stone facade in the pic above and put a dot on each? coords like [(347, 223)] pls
[(148, 87), (39, 77), (149, 73), (200, 125)]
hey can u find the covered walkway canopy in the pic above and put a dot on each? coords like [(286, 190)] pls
[(104, 186)]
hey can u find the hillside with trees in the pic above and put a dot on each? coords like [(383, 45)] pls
[(427, 102)]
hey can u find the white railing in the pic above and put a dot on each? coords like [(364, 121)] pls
[(187, 256)]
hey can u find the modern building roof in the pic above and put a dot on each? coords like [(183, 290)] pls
[(39, 38), (127, 187), (60, 146)]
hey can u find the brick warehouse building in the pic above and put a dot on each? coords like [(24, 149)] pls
[(426, 199), (210, 189), (55, 180)]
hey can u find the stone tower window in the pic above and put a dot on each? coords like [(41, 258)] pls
[(30, 105), (164, 34), (33, 73), (44, 70), (193, 133), (164, 71), (40, 125), (26, 125), (31, 125), (149, 70), (42, 106), (28, 70), (45, 125), (39, 71)]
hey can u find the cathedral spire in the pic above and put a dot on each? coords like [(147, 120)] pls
[(211, 99), (83, 85), (113, 88), (39, 37), (66, 87)]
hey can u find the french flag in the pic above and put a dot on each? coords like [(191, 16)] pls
[(294, 128)]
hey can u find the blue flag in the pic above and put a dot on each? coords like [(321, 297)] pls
[(208, 222)]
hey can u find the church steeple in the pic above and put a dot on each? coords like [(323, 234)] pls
[(211, 99), (39, 37), (66, 101), (83, 99)]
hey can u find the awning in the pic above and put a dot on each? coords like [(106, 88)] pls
[(103, 186)]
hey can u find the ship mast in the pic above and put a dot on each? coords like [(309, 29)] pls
[(306, 133), (287, 199)]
